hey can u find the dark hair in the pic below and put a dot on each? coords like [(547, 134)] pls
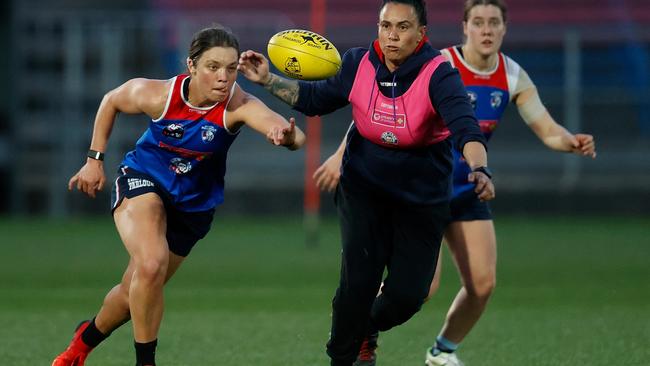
[(469, 4), (419, 6), (215, 36)]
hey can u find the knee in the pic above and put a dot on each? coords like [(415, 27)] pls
[(481, 289), (151, 270), (394, 308), (118, 293)]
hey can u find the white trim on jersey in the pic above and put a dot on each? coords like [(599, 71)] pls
[(169, 100), (187, 103), (445, 52), (225, 110), (513, 70), (512, 73), (472, 69)]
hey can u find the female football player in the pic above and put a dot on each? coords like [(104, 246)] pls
[(164, 197)]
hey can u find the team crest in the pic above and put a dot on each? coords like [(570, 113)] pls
[(389, 138), (207, 133), (472, 98), (496, 97), (174, 130), (180, 166)]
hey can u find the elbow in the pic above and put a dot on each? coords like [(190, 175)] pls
[(109, 100)]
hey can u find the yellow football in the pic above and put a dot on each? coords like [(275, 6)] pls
[(302, 54)]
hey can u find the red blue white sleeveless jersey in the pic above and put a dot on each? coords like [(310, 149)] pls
[(400, 122), (185, 150), (489, 92)]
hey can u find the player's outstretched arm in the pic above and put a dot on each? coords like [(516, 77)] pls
[(255, 67), (134, 96), (251, 111), (548, 130)]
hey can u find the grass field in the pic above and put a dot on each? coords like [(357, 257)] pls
[(571, 291)]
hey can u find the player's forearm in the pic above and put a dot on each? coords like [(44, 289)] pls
[(103, 126), (553, 135), (286, 90), (475, 154)]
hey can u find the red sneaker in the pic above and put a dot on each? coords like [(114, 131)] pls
[(77, 351), (368, 353)]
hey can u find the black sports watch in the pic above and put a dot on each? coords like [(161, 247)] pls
[(97, 155), (485, 170)]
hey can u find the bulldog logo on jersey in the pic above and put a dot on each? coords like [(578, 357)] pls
[(472, 98), (174, 130), (389, 138), (180, 166), (207, 133), (496, 97)]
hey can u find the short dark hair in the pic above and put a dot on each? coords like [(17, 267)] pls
[(419, 6), (215, 36), (469, 4)]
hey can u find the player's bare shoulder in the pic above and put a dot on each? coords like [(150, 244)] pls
[(147, 95)]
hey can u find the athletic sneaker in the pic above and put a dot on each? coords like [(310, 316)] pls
[(441, 358), (368, 352), (77, 351)]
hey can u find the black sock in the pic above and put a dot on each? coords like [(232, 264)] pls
[(145, 353), (92, 336)]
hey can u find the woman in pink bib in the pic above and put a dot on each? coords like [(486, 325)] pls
[(410, 108)]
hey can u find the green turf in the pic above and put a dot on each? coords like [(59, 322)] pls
[(571, 291)]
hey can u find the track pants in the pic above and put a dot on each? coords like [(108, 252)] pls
[(381, 234)]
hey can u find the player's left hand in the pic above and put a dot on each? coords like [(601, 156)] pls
[(584, 145), (327, 175), (283, 135), (484, 187)]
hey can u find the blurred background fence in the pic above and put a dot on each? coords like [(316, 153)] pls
[(589, 58)]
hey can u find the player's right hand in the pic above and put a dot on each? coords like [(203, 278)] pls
[(90, 179), (283, 135), (327, 175), (584, 145), (484, 188), (254, 66)]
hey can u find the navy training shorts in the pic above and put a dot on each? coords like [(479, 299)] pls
[(184, 229), (467, 207)]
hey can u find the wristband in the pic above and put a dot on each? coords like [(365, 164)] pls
[(97, 155), (484, 170)]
